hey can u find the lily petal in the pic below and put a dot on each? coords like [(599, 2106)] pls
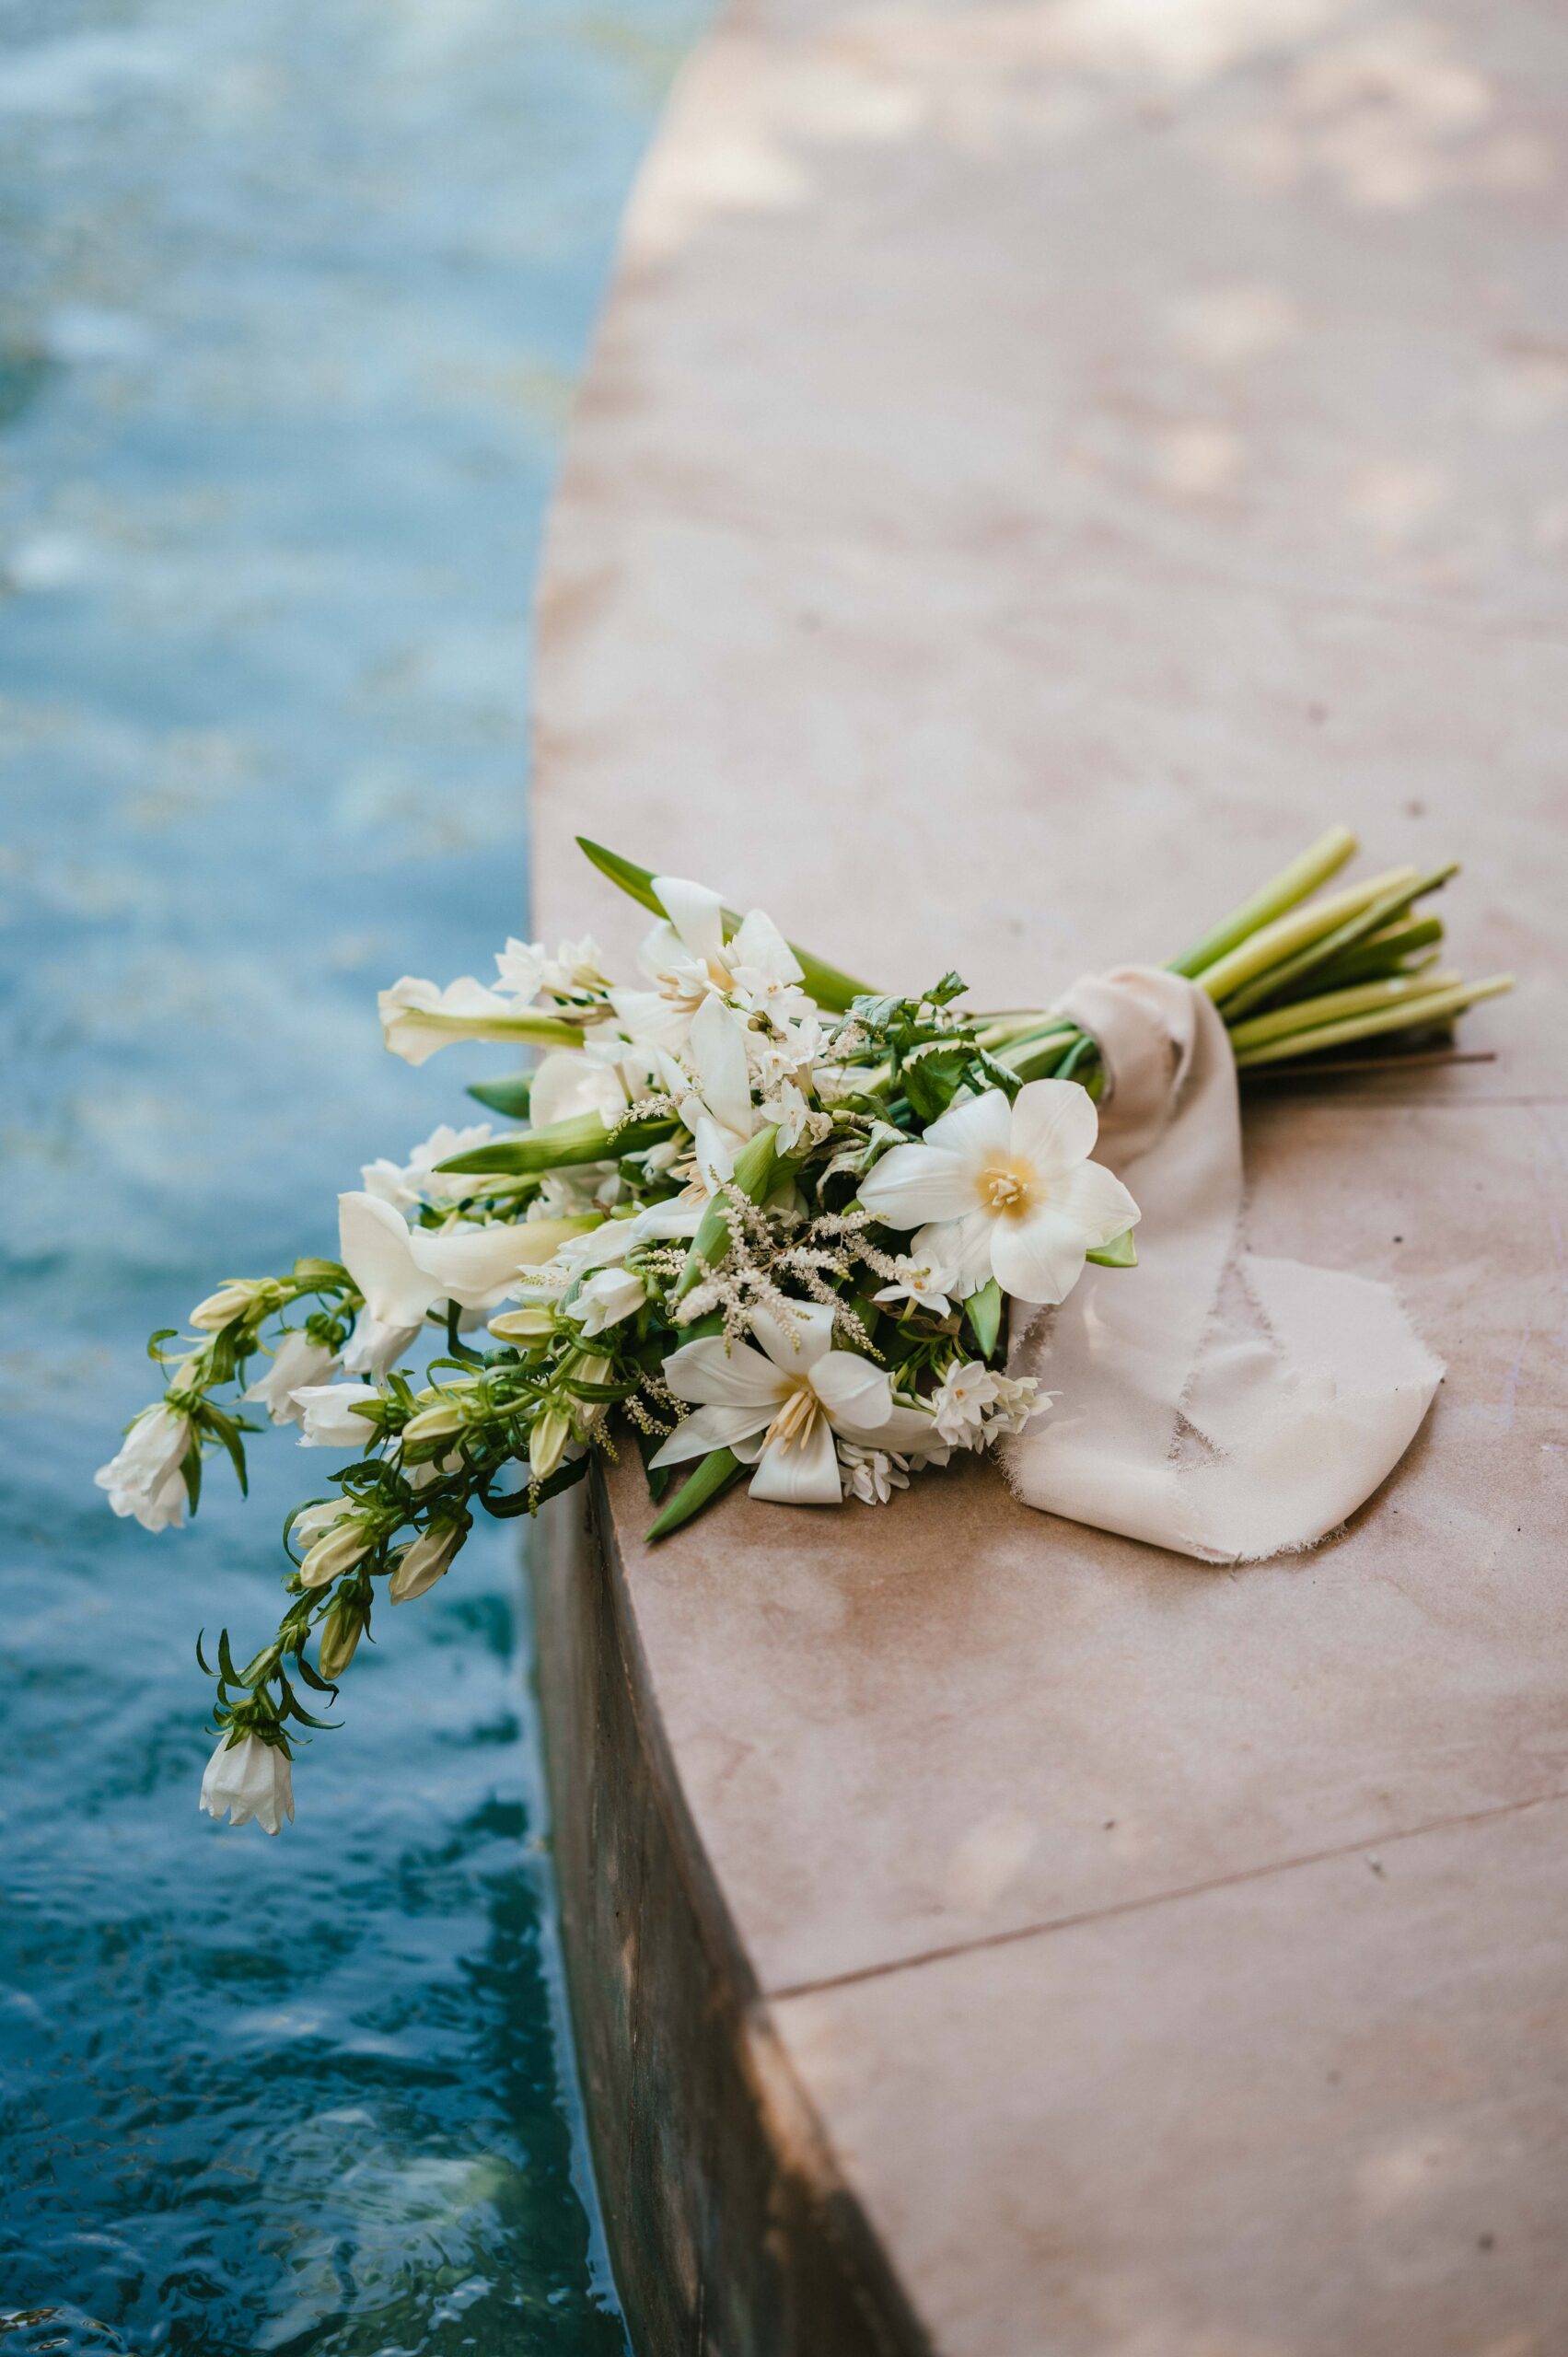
[(806, 1473), (718, 1050), (976, 1128), (705, 1372), (801, 1345), (856, 1395), (1095, 1202), (759, 945), (1038, 1258), (567, 1084), (1054, 1125), (375, 1248), (696, 913), (916, 1183), (713, 1427)]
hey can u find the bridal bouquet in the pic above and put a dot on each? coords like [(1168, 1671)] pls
[(763, 1224)]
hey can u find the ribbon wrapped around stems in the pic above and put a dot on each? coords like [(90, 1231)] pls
[(1220, 1404)]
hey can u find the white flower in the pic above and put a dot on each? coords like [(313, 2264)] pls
[(403, 1271), (1008, 1191), (795, 1118), (143, 1477), (236, 1298), (872, 1474), (1018, 1401), (333, 1548), (525, 968), (296, 1360), (959, 1404), (688, 960), (427, 1560), (606, 1298), (330, 1414), (712, 1089), (780, 1407), (922, 1283), (417, 1017), (418, 1180), (250, 1778), (570, 1083)]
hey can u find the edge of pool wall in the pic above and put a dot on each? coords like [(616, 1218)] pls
[(983, 1931), (730, 2226)]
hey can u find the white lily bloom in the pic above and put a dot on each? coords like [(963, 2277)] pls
[(781, 1407), (426, 1560), (298, 1360), (403, 1271), (250, 1778), (606, 1298), (143, 1477), (417, 1017), (1005, 1191), (417, 1180), (688, 960), (924, 1284), (327, 1413)]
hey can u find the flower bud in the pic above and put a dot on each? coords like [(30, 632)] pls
[(535, 1322), (342, 1545), (433, 1424), (239, 1297), (341, 1632), (547, 1443), (427, 1560)]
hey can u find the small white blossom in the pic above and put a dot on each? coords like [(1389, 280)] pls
[(250, 1778), (606, 1298), (924, 1284), (296, 1362), (1019, 1399), (960, 1401), (143, 1478), (872, 1474), (329, 1413), (798, 1122), (417, 1180)]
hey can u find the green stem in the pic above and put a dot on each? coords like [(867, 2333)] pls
[(1292, 885), (1408, 1015)]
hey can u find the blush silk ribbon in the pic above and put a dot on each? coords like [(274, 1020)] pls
[(1212, 1401)]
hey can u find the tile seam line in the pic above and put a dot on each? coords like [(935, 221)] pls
[(1042, 1930)]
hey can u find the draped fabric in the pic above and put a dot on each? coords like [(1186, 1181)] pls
[(1212, 1401)]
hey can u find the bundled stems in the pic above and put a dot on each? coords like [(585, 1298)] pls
[(1295, 976)]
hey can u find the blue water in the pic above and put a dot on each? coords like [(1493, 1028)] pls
[(294, 294)]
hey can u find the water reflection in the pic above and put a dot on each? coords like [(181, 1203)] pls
[(292, 294)]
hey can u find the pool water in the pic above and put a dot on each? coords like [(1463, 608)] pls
[(294, 294)]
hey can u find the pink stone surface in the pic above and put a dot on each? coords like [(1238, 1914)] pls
[(1042, 464)]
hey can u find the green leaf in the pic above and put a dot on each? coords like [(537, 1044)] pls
[(1120, 1253), (715, 1474), (984, 1310), (827, 986), (588, 1138), (508, 1097)]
